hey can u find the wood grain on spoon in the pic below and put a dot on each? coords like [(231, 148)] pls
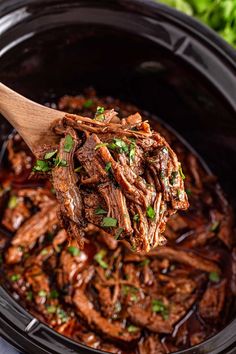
[(31, 120)]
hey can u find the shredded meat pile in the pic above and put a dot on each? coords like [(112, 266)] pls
[(105, 295), (116, 175)]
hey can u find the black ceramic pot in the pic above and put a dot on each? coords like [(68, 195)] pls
[(142, 52)]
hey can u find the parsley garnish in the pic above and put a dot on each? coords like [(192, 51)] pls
[(42, 293), (44, 252), (60, 162), (151, 212), (51, 309), (214, 277), (75, 251), (100, 211), (62, 315), (15, 277), (108, 166), (132, 329), (100, 145), (99, 116), (146, 261), (132, 149), (159, 307), (109, 222), (88, 103), (136, 217), (50, 154), (54, 294), (214, 226), (13, 201), (29, 296), (78, 169), (131, 291), (173, 177), (41, 166), (99, 258), (69, 143), (181, 172), (121, 145)]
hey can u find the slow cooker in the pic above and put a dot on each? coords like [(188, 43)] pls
[(142, 52)]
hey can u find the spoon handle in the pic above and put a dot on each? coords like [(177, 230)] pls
[(30, 119)]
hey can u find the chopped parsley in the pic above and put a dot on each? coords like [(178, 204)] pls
[(78, 169), (42, 293), (51, 309), (145, 262), (214, 226), (130, 291), (214, 277), (109, 222), (69, 143), (98, 146), (173, 177), (108, 167), (29, 296), (54, 294), (99, 258), (100, 211), (60, 162), (132, 329), (49, 155), (88, 103), (132, 149), (41, 166), (151, 214), (118, 232), (62, 315), (44, 252), (13, 201), (99, 116), (136, 217), (75, 251), (181, 172), (159, 307), (121, 145), (15, 277)]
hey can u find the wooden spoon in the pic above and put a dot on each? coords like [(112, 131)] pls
[(31, 120)]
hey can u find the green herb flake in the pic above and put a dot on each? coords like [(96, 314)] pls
[(118, 232), (54, 294), (121, 145), (41, 166), (173, 177), (100, 211), (188, 192), (145, 262), (89, 103), (181, 172), (74, 251), (109, 222), (44, 252), (69, 143), (42, 293), (15, 277), (99, 258), (50, 154), (151, 214), (98, 146), (78, 169), (214, 277), (159, 307), (62, 315), (215, 225), (132, 329), (99, 116), (130, 291), (136, 217), (132, 150), (29, 296), (58, 162), (13, 201), (51, 309), (108, 167)]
